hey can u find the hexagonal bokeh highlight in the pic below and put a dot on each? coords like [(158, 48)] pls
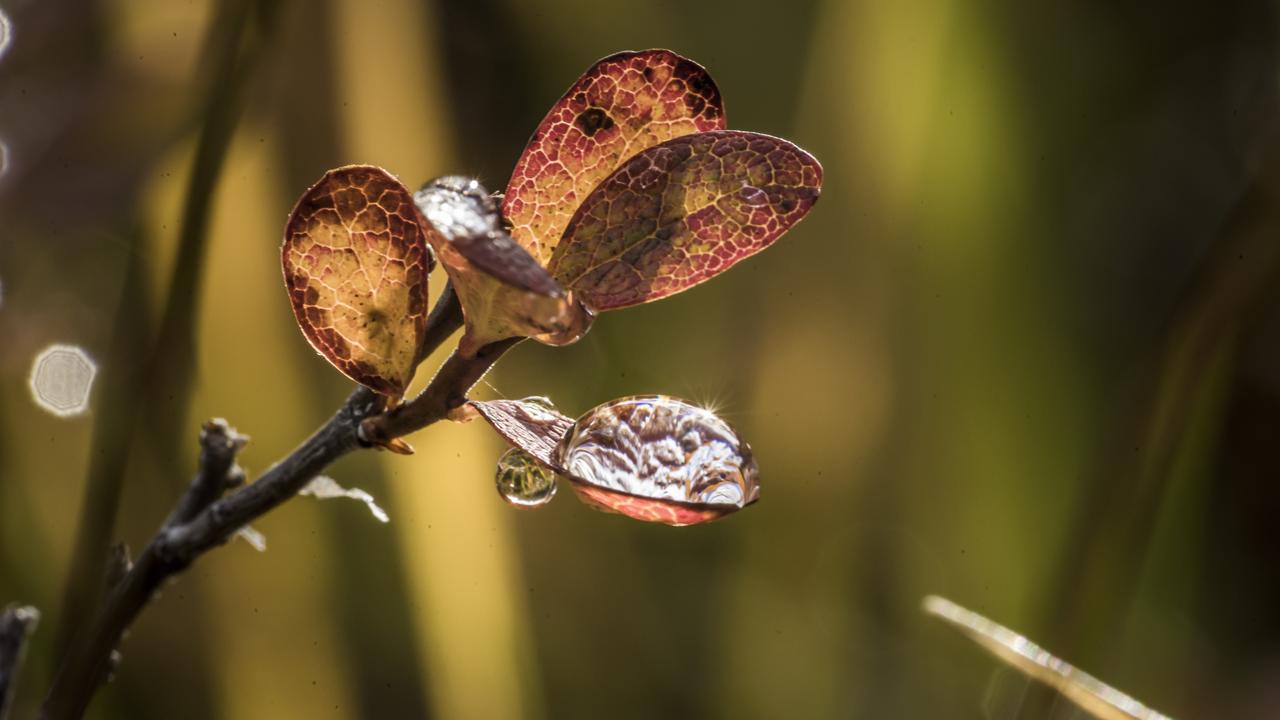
[(61, 379)]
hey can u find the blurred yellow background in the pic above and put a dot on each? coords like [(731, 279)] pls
[(989, 365)]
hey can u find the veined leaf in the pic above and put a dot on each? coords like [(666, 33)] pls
[(355, 263), (622, 105), (682, 212)]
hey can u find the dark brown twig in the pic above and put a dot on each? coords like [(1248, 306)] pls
[(447, 391), (157, 370), (219, 444), (204, 519), (16, 625)]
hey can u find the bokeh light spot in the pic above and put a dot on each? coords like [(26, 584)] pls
[(6, 32), (61, 379)]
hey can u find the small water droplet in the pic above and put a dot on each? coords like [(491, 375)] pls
[(659, 458), (522, 481), (61, 379)]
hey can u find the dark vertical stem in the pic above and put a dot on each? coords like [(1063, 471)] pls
[(487, 76), (172, 361), (143, 378), (381, 659), (16, 625), (1113, 525), (112, 438)]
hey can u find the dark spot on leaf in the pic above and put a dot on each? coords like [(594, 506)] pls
[(648, 73), (593, 120)]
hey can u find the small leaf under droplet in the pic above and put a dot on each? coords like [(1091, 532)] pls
[(681, 213), (659, 459), (355, 262), (532, 424)]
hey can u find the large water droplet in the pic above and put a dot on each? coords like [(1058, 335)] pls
[(458, 206), (522, 481), (61, 379), (660, 459)]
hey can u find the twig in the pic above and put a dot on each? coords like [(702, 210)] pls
[(156, 370), (16, 625), (202, 520), (219, 444), (448, 390)]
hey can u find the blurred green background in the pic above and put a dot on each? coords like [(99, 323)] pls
[(1025, 353)]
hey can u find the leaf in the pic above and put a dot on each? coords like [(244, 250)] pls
[(532, 424), (324, 487), (659, 459), (1091, 694), (635, 507), (622, 105), (467, 218), (355, 263), (503, 290), (682, 212)]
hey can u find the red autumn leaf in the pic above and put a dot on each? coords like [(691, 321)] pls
[(682, 212), (355, 264), (658, 459), (534, 427), (622, 105), (647, 509)]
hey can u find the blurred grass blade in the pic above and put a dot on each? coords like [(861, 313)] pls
[(1091, 694)]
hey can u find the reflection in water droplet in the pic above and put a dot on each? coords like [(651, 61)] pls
[(4, 158), (61, 379), (522, 481), (660, 449)]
